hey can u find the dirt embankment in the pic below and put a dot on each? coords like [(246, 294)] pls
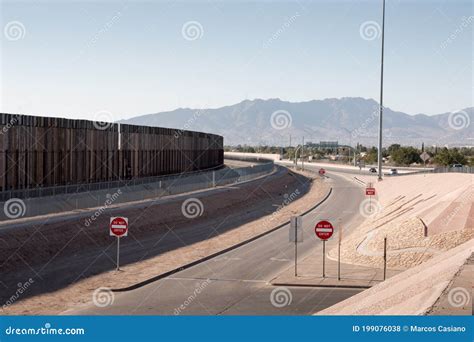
[(420, 215), (412, 292), (68, 260)]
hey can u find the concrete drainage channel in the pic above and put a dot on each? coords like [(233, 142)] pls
[(129, 192)]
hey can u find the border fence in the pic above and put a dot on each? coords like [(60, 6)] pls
[(43, 155)]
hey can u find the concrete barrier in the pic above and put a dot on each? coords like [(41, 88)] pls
[(161, 187)]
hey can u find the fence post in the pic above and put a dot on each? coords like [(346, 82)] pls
[(384, 258)]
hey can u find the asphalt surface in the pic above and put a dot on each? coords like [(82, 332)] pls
[(238, 282)]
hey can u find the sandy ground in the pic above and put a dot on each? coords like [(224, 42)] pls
[(457, 299), (223, 204), (412, 292), (405, 208)]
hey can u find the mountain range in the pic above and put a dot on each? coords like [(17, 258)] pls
[(348, 120)]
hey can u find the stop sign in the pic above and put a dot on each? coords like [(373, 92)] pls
[(118, 226), (322, 171), (324, 230)]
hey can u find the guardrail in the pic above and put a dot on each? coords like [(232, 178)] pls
[(442, 169), (42, 191)]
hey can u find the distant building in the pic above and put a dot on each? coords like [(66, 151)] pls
[(330, 145)]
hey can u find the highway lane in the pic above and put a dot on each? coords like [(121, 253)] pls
[(344, 168), (237, 282)]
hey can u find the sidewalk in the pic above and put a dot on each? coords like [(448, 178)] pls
[(310, 271)]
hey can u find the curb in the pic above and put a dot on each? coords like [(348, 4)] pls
[(323, 285), (228, 249)]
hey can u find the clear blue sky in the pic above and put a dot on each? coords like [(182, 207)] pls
[(74, 59)]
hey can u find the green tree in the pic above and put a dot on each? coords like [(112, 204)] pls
[(447, 156), (405, 155), (371, 156)]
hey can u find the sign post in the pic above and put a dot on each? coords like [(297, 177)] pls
[(370, 191), (339, 253), (384, 258), (118, 227), (321, 172), (424, 156), (296, 235), (324, 231)]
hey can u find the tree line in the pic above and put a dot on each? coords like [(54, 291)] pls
[(394, 154)]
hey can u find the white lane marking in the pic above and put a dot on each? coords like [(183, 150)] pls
[(276, 259), (217, 279), (227, 258)]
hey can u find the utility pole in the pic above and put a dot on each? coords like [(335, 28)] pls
[(381, 96), (302, 156)]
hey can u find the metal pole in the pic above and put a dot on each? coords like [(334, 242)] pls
[(118, 253), (302, 155), (384, 257), (296, 248), (324, 258), (339, 254), (379, 157)]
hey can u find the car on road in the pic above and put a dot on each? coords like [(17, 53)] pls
[(373, 170), (393, 171), (457, 165)]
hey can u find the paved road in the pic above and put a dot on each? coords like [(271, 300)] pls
[(237, 283), (351, 170)]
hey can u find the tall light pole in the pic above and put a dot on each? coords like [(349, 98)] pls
[(381, 96)]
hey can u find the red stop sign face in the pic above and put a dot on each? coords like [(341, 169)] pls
[(324, 230), (322, 171), (118, 226)]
